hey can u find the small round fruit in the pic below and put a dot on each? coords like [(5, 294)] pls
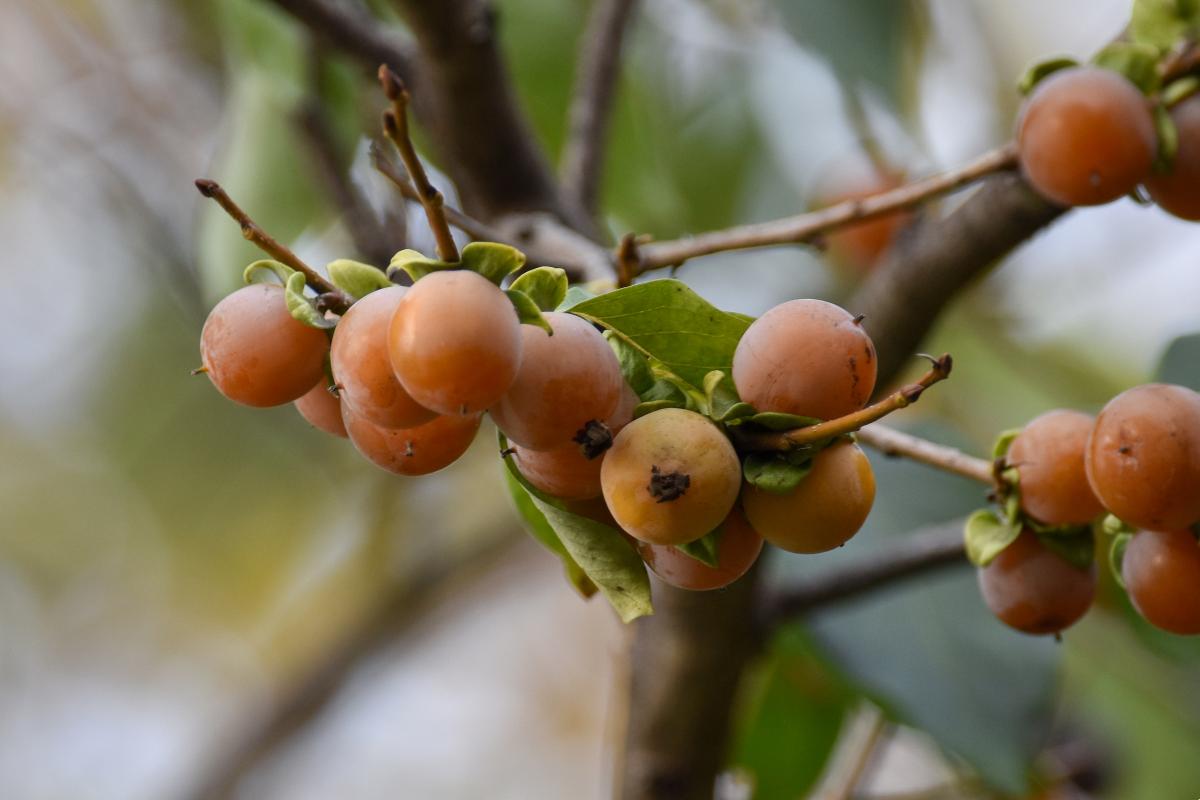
[(455, 342), (359, 359), (737, 550), (256, 353), (1048, 455), (1035, 590), (1085, 136), (322, 410), (670, 477), (805, 357), (573, 472), (860, 247), (1161, 570), (412, 451), (824, 511), (1178, 191), (1143, 457), (565, 381)]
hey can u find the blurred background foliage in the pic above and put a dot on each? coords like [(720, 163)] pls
[(173, 568)]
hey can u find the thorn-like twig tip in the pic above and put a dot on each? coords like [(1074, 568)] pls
[(201, 370), (393, 86), (207, 187)]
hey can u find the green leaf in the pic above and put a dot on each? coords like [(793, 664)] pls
[(1039, 71), (777, 473), (1162, 23), (492, 260), (356, 278), (602, 552), (547, 286), (1079, 550), (1179, 90), (1004, 441), (1114, 526), (1168, 139), (575, 295), (539, 528), (1116, 556), (672, 323), (1180, 364), (650, 406), (1137, 61), (704, 549), (778, 421), (301, 307), (986, 536), (723, 402), (416, 265), (527, 310), (634, 365), (261, 271)]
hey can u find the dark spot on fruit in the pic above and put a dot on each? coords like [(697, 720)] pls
[(593, 439), (1125, 450), (853, 373), (667, 486)]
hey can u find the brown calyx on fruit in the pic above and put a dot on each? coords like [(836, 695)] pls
[(593, 439), (667, 486)]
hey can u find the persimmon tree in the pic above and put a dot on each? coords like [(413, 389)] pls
[(644, 431)]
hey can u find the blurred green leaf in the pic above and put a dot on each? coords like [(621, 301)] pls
[(1181, 363), (546, 286), (540, 529)]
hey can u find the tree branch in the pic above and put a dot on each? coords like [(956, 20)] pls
[(915, 554), (806, 227), (892, 442), (350, 27), (395, 125), (479, 231), (335, 298), (591, 103), (486, 143), (937, 257)]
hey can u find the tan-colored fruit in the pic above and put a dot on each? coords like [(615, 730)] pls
[(738, 549), (322, 410), (1033, 589), (412, 451), (670, 477), (1048, 455), (1161, 570)]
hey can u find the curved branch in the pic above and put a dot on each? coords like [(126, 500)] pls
[(892, 442), (591, 104), (806, 227), (350, 27), (915, 554)]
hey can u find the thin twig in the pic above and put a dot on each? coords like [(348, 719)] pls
[(591, 103), (335, 299), (805, 227), (352, 28), (395, 125), (907, 557), (479, 231), (850, 760), (892, 442), (797, 437)]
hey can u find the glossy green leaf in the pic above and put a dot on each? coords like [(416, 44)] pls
[(986, 535), (1137, 61), (540, 529), (1004, 441), (574, 296), (650, 406), (356, 278), (704, 549), (722, 399), (547, 286), (492, 260), (634, 365), (778, 421), (777, 473), (300, 306), (1079, 549), (527, 310), (417, 265), (672, 323), (265, 270), (1039, 71), (601, 552)]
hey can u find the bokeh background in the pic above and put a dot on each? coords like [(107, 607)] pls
[(198, 598)]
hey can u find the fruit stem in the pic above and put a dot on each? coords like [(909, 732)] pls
[(336, 300), (830, 429), (395, 125)]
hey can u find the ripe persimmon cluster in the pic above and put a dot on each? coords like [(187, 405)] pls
[(407, 373), (1138, 462)]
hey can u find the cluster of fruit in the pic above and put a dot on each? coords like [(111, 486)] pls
[(1139, 461), (1088, 135), (410, 371)]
